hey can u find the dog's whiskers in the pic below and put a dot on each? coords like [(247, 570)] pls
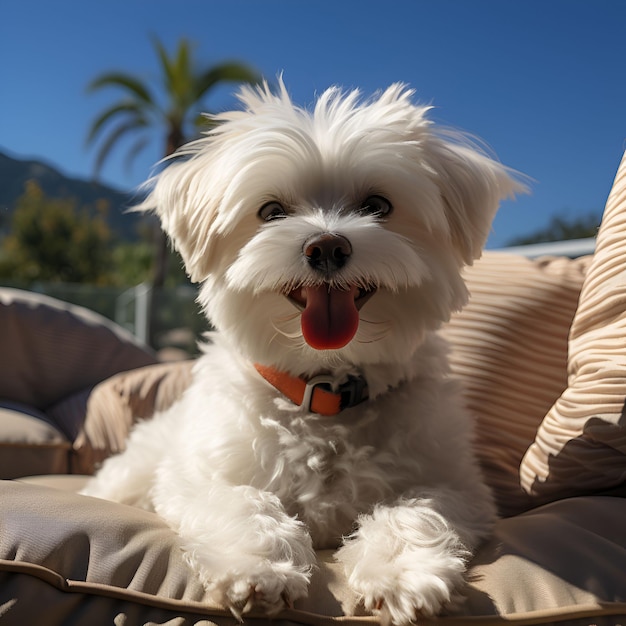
[(373, 336), (280, 332)]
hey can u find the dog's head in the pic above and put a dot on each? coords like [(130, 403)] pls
[(331, 235)]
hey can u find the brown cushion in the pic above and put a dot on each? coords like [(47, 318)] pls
[(509, 348), (567, 559), (580, 446), (54, 353), (31, 442), (56, 349)]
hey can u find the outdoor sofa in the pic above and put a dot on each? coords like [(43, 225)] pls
[(541, 351)]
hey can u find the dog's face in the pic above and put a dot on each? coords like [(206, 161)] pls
[(329, 236)]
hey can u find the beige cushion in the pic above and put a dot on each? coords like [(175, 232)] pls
[(580, 446), (56, 349), (509, 348), (31, 442), (108, 563), (117, 403), (53, 353)]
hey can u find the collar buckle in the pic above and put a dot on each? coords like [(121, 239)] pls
[(352, 392), (323, 380)]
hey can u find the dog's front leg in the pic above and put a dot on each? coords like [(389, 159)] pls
[(248, 552), (408, 559)]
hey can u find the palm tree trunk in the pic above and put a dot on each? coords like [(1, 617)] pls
[(161, 257)]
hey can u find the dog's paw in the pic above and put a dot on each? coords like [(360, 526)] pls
[(266, 587), (257, 557), (400, 597), (404, 564)]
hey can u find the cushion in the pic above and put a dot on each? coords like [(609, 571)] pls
[(58, 349), (509, 348), (31, 442), (580, 446), (60, 569), (57, 353), (117, 403)]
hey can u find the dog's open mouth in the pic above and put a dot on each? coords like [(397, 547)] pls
[(330, 316)]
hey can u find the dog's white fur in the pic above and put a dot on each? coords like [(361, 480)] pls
[(253, 483)]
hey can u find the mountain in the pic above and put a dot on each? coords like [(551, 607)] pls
[(15, 173)]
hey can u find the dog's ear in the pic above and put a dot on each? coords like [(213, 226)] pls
[(189, 217), (471, 185), (191, 193)]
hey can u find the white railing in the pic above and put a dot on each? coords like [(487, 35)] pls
[(132, 309), (571, 248)]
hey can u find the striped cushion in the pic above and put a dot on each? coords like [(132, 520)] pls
[(580, 446), (509, 348), (117, 403)]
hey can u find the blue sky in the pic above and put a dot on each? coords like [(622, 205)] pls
[(542, 82)]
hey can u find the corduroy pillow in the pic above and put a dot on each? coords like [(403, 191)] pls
[(580, 446), (509, 349), (117, 403)]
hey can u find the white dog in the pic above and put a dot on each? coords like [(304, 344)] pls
[(329, 246)]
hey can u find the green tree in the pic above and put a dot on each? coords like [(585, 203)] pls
[(54, 240), (562, 228), (132, 261), (175, 115)]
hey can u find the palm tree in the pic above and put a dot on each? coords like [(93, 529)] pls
[(139, 114), (140, 111)]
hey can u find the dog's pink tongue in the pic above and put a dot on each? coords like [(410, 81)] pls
[(330, 319)]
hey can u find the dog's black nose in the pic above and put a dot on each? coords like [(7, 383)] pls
[(327, 252)]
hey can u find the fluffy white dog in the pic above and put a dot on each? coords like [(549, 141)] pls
[(329, 245)]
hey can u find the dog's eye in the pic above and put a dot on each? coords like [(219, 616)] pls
[(376, 206), (272, 211)]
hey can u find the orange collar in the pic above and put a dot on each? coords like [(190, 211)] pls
[(317, 395)]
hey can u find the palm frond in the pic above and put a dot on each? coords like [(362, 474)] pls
[(122, 81), (124, 108), (142, 109), (178, 79), (164, 59), (225, 72), (113, 138), (183, 65)]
